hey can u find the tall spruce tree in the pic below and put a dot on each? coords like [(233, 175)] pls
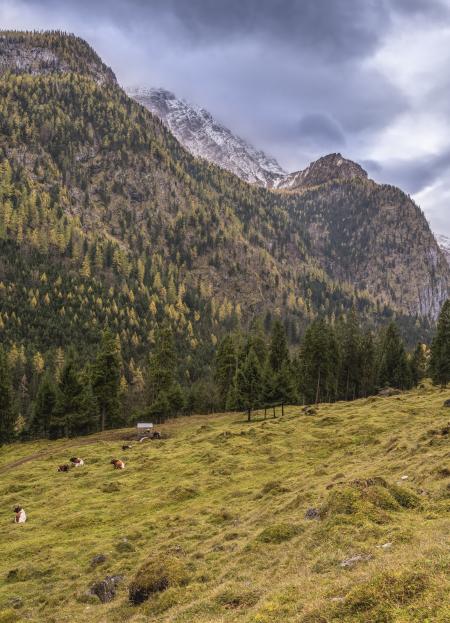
[(67, 409), (249, 383), (368, 368), (162, 364), (279, 352), (106, 381), (350, 368), (44, 407), (440, 349), (419, 363), (7, 415), (225, 366), (394, 369), (319, 359)]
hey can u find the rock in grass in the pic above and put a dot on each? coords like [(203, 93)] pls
[(111, 487), (125, 546), (389, 391), (106, 589), (446, 404), (312, 513), (98, 559), (155, 576), (15, 602), (354, 560)]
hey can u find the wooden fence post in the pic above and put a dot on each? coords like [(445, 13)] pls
[(282, 408)]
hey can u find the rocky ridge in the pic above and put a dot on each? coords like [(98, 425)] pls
[(205, 137)]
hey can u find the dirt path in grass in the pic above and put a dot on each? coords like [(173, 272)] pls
[(112, 435)]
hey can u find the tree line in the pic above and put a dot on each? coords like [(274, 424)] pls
[(249, 370)]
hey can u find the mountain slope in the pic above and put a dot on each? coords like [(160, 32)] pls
[(229, 500), (205, 137), (423, 292), (371, 234), (106, 219)]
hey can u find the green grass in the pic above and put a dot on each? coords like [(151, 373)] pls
[(211, 521)]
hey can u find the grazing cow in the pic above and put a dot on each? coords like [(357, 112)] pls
[(155, 435), (76, 462), (126, 447), (63, 468), (21, 516), (118, 464)]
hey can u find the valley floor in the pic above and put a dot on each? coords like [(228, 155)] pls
[(228, 500)]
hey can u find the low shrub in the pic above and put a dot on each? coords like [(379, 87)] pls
[(405, 497), (278, 533), (155, 576)]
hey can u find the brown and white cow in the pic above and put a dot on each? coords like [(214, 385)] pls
[(76, 462), (118, 464), (63, 468), (21, 516)]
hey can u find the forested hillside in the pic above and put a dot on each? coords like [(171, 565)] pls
[(105, 220)]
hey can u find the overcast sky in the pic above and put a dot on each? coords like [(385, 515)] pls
[(298, 78)]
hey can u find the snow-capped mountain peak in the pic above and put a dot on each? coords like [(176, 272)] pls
[(205, 137), (444, 243)]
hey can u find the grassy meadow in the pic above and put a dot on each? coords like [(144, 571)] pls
[(222, 502)]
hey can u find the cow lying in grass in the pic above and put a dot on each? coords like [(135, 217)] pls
[(118, 464), (21, 516), (126, 447), (154, 435), (76, 462), (63, 468)]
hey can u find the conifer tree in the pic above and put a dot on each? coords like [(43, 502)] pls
[(368, 371), (7, 416), (225, 366), (394, 369), (319, 363), (162, 364), (44, 407), (440, 349), (350, 371), (279, 352), (419, 363), (249, 383), (65, 415), (106, 381), (282, 386)]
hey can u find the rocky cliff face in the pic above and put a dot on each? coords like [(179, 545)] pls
[(205, 137)]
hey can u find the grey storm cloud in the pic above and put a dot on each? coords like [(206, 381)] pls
[(298, 78), (412, 174), (320, 130)]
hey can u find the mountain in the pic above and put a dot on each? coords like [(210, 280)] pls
[(370, 234), (105, 219), (205, 137), (444, 243), (326, 169), (42, 53)]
